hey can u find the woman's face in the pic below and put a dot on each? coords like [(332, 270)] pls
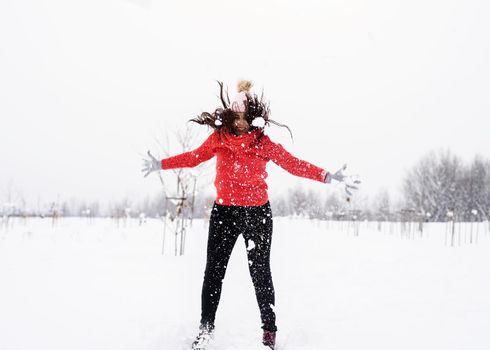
[(240, 124)]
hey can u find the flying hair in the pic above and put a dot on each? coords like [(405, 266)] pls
[(223, 118)]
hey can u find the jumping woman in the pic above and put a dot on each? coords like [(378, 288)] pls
[(242, 205)]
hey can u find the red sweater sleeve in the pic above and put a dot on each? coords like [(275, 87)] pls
[(290, 163), (192, 158)]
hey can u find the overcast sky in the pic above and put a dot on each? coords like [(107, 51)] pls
[(87, 86)]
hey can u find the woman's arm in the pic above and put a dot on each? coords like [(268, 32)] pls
[(192, 158), (290, 163)]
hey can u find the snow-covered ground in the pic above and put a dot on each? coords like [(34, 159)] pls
[(95, 286)]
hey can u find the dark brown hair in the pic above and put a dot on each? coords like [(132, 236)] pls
[(223, 118)]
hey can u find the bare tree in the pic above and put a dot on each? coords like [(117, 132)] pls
[(475, 189), (382, 206), (314, 207), (431, 185), (180, 195), (332, 205), (298, 201), (280, 206), (441, 183)]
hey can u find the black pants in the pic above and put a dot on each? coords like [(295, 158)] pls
[(225, 225)]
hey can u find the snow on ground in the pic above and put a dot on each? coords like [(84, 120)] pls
[(96, 286)]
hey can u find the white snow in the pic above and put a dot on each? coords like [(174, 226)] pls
[(251, 245), (258, 122), (93, 285)]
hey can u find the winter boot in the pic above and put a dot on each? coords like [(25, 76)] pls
[(269, 339), (203, 338)]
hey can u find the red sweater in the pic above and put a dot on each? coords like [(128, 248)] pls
[(240, 165)]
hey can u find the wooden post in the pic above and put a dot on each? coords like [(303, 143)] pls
[(449, 227), (450, 215), (474, 218)]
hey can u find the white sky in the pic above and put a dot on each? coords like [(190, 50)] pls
[(87, 86)]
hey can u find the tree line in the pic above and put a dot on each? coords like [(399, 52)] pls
[(439, 186), (442, 185)]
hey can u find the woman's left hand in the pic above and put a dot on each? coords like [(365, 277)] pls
[(350, 182)]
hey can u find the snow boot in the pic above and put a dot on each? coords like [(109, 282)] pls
[(203, 338), (269, 339)]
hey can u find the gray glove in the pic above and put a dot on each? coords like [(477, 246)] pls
[(150, 165), (350, 182)]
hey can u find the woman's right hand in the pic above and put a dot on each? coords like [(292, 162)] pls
[(150, 165)]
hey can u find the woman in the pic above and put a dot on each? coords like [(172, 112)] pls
[(242, 205)]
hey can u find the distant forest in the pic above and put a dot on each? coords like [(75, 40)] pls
[(440, 186)]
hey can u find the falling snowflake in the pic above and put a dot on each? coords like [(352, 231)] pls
[(258, 122), (251, 245)]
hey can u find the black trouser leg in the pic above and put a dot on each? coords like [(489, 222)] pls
[(258, 239), (223, 233), (225, 225)]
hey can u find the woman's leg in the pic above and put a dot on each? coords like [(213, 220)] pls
[(258, 237), (223, 234)]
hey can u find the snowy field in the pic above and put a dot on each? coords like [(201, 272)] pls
[(96, 286)]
